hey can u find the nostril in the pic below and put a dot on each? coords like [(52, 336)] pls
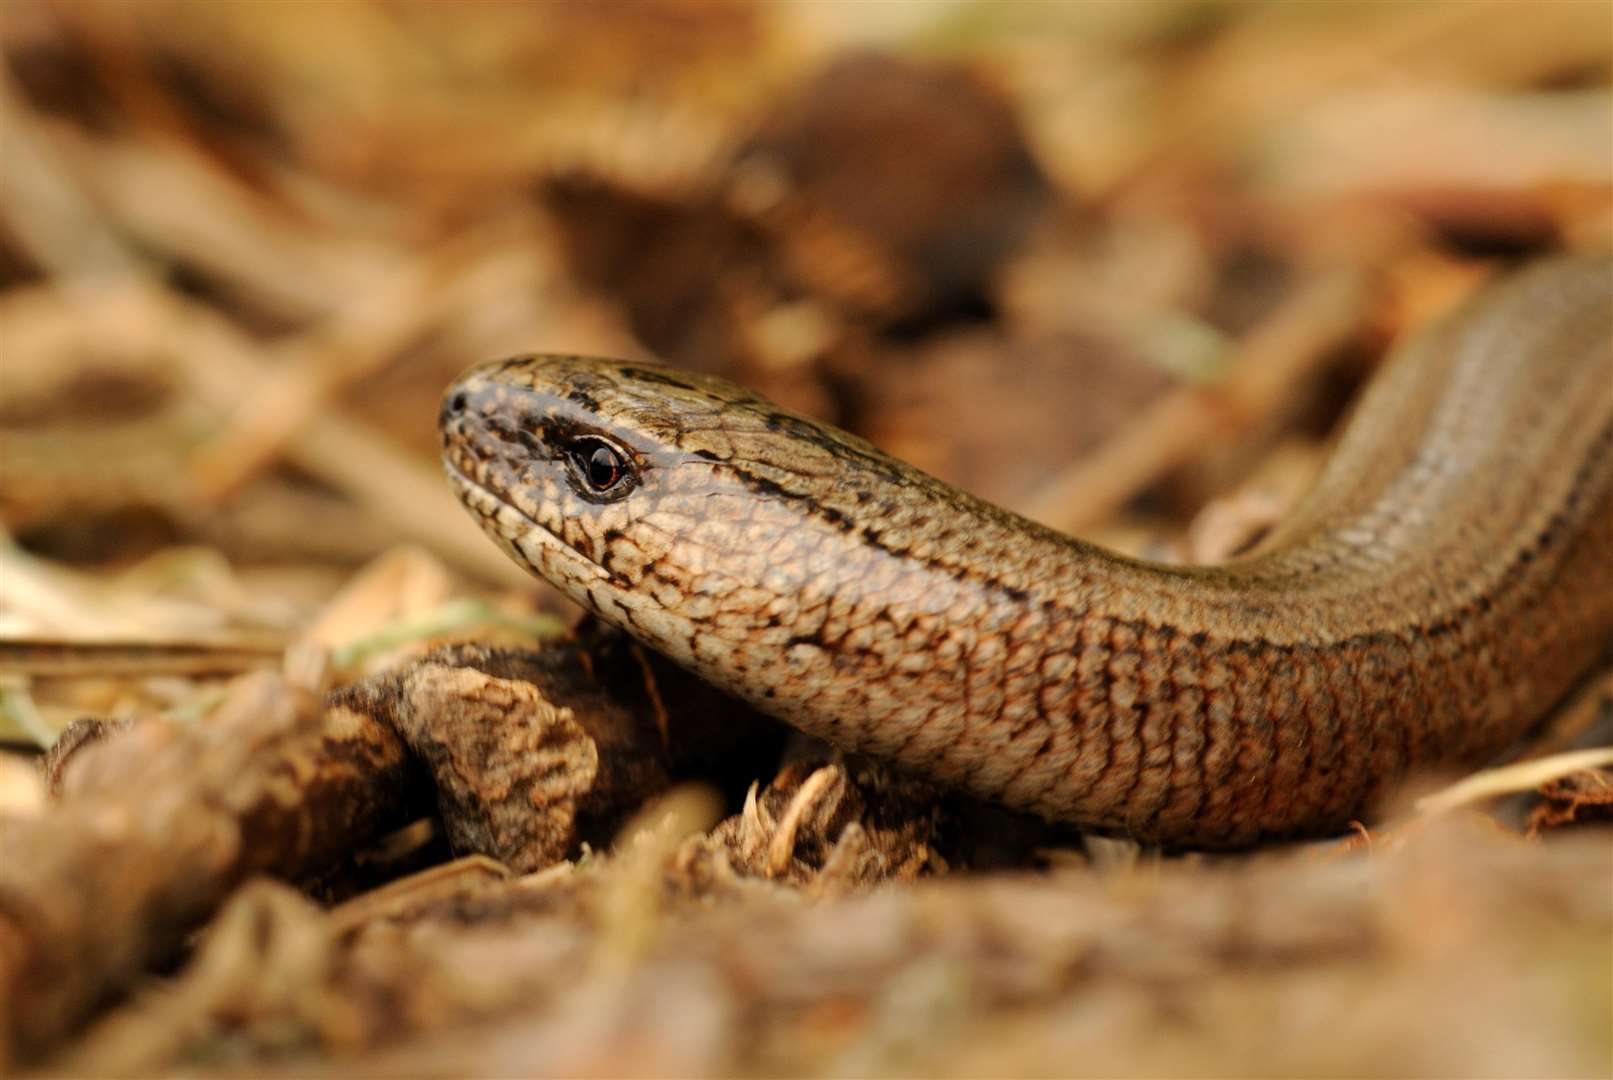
[(453, 408)]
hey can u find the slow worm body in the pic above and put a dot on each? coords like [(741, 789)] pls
[(1446, 582)]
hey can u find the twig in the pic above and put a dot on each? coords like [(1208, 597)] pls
[(39, 656)]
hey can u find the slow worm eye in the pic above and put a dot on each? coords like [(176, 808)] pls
[(602, 470)]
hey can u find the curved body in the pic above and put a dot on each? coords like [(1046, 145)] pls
[(1447, 581)]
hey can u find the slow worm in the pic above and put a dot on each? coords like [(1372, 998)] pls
[(1447, 581)]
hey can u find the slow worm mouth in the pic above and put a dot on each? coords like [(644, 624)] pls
[(497, 515)]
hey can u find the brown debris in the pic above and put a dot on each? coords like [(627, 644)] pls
[(267, 939), (832, 169), (1179, 969), (833, 826), (832, 823), (529, 754), (511, 768), (158, 823), (1580, 798), (818, 221), (534, 753)]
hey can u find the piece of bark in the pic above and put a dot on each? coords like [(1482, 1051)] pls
[(534, 753), (516, 765), (158, 823)]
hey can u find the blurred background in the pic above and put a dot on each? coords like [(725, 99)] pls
[(1116, 266)]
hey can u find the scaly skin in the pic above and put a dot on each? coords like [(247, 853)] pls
[(1447, 581)]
